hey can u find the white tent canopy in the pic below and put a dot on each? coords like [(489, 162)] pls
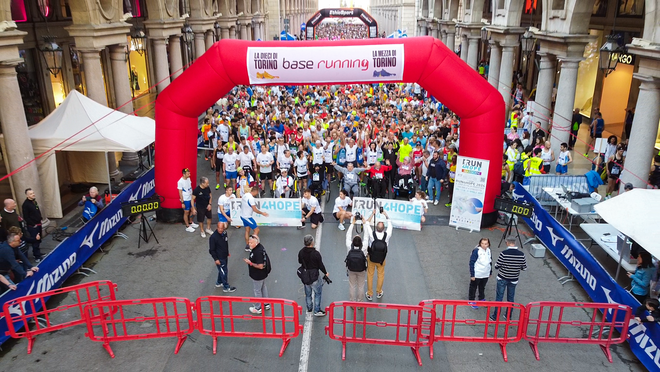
[(82, 126), (635, 214)]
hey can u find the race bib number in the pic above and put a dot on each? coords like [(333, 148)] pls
[(378, 176), (350, 177), (316, 177), (615, 170)]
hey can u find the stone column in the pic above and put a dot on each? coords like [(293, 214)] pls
[(561, 119), (644, 132), (96, 91), (243, 31), (506, 73), (176, 60), (232, 32), (443, 37), (473, 52), (18, 145), (210, 39), (122, 87), (161, 64), (451, 41), (224, 33), (494, 65), (464, 47), (546, 79), (434, 32), (200, 44)]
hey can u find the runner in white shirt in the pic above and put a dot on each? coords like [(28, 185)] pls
[(246, 160), (285, 161), (223, 129), (265, 162), (224, 206), (185, 197), (229, 164), (351, 152), (248, 208), (420, 199), (283, 185), (339, 211), (311, 209)]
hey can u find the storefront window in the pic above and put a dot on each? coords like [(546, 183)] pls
[(28, 83), (587, 73), (137, 71)]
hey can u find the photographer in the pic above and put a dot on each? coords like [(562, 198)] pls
[(312, 262), (356, 261), (377, 252)]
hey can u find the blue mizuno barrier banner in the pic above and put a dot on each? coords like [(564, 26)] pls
[(70, 254), (643, 338), (281, 212), (403, 214)]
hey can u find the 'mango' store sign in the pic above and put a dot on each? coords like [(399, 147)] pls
[(283, 65)]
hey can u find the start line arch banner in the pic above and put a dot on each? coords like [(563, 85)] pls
[(229, 63)]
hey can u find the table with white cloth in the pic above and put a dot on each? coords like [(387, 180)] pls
[(563, 204), (605, 236)]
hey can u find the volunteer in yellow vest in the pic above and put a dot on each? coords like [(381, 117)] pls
[(404, 149), (512, 154), (533, 165), (515, 114)]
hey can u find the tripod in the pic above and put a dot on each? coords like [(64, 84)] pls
[(511, 224), (146, 232)]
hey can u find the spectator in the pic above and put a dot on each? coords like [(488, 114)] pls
[(32, 217), (377, 253), (258, 269), (201, 205), (653, 307), (614, 168), (436, 176), (509, 264), (219, 250), (575, 128), (356, 261), (9, 216), (641, 278), (595, 130), (13, 263), (654, 175), (480, 270), (312, 261)]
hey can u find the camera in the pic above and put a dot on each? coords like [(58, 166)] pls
[(358, 216), (327, 280)]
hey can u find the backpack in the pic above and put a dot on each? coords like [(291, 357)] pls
[(267, 265), (378, 249), (519, 168), (89, 210), (355, 260)]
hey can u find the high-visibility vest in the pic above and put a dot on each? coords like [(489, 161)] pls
[(514, 120), (513, 156), (534, 165)]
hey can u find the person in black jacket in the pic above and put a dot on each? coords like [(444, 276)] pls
[(219, 250), (312, 261), (12, 259), (258, 271), (653, 307), (436, 173), (32, 217)]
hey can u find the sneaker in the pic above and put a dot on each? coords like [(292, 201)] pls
[(427, 197), (254, 310), (368, 296), (267, 307), (203, 234), (247, 248), (206, 158), (473, 304), (379, 294), (300, 227), (319, 313), (217, 186), (194, 225), (218, 285), (225, 185), (310, 310), (209, 231), (190, 229), (341, 227), (37, 260), (230, 289), (435, 202), (492, 318), (448, 205)]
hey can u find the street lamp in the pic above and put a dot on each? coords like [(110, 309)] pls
[(52, 55), (139, 41), (216, 27), (527, 42), (484, 34), (188, 34), (609, 54)]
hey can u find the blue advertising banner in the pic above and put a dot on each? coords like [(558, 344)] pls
[(643, 338), (70, 254), (281, 212)]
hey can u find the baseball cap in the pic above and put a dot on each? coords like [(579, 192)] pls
[(418, 143)]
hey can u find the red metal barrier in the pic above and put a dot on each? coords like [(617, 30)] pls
[(455, 320), (548, 322), (228, 317), (351, 320), (171, 317), (22, 311)]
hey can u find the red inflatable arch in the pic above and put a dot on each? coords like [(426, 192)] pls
[(234, 62)]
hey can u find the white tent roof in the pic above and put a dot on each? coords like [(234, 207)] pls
[(82, 124), (635, 214)]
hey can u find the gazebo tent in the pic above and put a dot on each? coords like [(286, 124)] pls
[(86, 131)]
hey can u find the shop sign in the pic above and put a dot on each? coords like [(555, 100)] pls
[(624, 58)]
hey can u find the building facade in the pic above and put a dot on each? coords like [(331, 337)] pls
[(394, 15), (552, 48), (112, 51)]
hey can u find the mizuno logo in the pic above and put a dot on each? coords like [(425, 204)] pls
[(89, 239), (554, 237)]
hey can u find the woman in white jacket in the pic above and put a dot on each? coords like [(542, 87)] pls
[(480, 270)]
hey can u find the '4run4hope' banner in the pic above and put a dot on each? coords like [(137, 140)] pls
[(281, 212), (403, 214), (469, 193), (644, 338)]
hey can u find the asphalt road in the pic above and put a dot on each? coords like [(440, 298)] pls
[(422, 265)]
